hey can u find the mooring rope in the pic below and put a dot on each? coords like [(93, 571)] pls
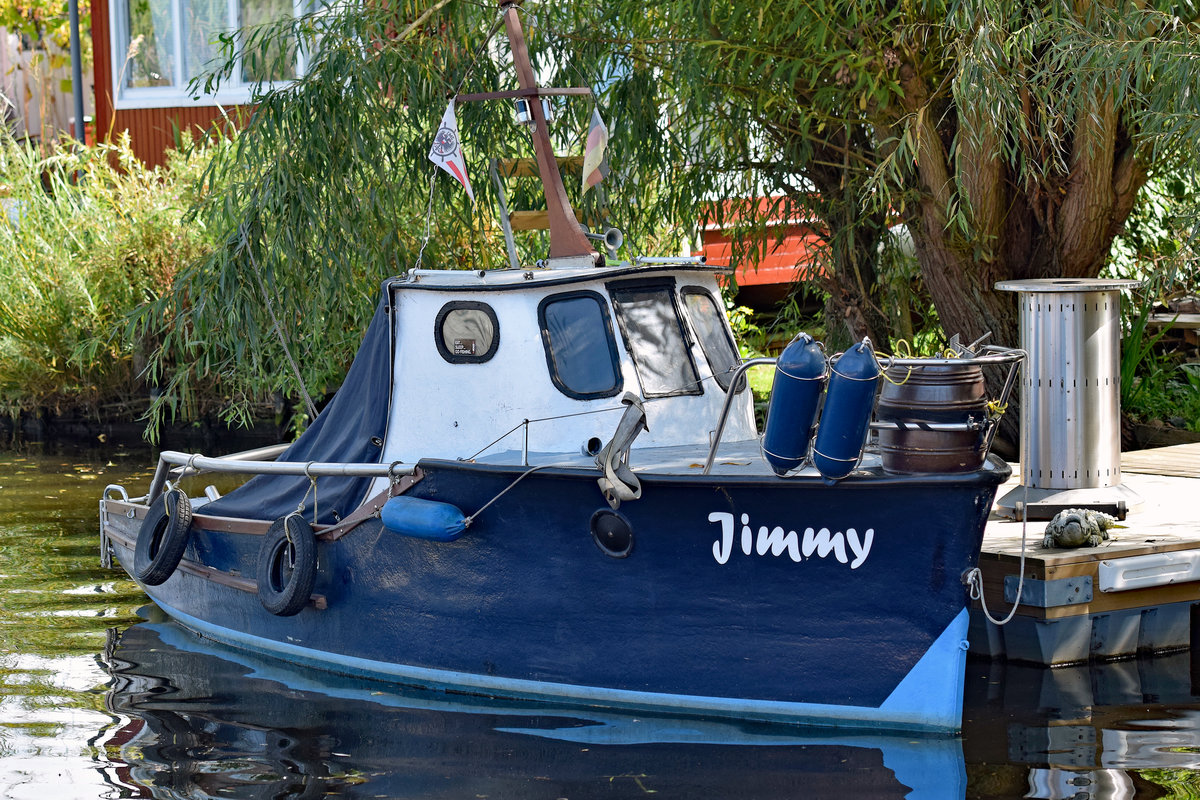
[(974, 577), (468, 520)]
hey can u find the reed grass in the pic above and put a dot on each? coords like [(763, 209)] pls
[(88, 235)]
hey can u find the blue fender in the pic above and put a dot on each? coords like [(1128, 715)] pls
[(423, 519), (795, 396), (846, 417)]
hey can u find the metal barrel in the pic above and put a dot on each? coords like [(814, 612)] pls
[(942, 393)]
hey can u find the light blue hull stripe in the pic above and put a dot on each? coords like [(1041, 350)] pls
[(924, 699)]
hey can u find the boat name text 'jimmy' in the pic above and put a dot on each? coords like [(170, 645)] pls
[(820, 543)]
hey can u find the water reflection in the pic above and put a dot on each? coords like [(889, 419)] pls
[(1114, 730), (55, 606), (200, 720)]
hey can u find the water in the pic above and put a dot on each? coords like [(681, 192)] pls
[(102, 698)]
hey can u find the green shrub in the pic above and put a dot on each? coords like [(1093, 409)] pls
[(89, 234)]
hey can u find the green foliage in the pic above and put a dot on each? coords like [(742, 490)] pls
[(1158, 249), (1159, 387), (46, 20), (996, 131), (1180, 783), (88, 235)]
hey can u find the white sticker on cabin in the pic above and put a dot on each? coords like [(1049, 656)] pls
[(847, 547)]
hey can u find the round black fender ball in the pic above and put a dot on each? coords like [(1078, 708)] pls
[(287, 566), (162, 538)]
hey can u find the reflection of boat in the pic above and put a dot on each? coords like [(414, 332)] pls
[(207, 718), (670, 569)]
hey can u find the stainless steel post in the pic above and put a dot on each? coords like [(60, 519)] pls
[(1070, 390)]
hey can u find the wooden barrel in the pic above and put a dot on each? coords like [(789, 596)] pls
[(943, 393)]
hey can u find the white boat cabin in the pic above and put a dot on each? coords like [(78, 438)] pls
[(513, 366)]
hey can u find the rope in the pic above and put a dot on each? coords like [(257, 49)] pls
[(312, 489), (467, 522), (312, 409), (393, 477), (287, 532), (428, 219), (974, 578)]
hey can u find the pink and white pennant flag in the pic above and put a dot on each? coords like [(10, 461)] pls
[(447, 151)]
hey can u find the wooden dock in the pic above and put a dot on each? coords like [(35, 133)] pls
[(1132, 594)]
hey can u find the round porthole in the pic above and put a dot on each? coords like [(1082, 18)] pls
[(612, 533)]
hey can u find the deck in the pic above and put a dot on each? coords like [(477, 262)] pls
[(1133, 594)]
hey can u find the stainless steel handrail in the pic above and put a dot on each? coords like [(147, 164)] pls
[(238, 464), (729, 395), (993, 355)]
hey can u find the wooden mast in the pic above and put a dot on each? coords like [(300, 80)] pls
[(566, 237)]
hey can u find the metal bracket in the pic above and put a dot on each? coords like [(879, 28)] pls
[(1051, 593)]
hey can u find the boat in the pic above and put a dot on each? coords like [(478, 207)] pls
[(546, 482)]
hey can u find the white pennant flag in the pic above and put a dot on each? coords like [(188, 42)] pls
[(447, 152)]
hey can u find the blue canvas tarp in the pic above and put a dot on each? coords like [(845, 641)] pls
[(343, 431)]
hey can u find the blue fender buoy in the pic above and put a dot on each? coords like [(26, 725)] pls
[(846, 417), (423, 519), (795, 396)]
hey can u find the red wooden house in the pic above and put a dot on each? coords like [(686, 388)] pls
[(148, 52), (787, 255)]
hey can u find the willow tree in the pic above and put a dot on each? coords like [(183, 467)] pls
[(1013, 138), (328, 190), (1024, 135)]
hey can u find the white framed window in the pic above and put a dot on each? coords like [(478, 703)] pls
[(159, 46)]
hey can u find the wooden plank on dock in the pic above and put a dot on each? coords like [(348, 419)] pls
[(1181, 461)]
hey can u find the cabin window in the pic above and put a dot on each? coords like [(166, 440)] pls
[(709, 325), (581, 350), (655, 337), (160, 46), (467, 332)]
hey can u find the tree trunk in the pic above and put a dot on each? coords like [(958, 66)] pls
[(1007, 230)]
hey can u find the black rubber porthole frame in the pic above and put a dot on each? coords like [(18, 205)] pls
[(467, 305)]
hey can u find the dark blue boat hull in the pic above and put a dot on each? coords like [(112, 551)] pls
[(755, 597)]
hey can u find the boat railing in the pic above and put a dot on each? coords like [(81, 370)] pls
[(990, 355), (734, 385), (174, 465)]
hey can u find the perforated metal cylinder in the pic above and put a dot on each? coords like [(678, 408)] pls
[(1071, 383)]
